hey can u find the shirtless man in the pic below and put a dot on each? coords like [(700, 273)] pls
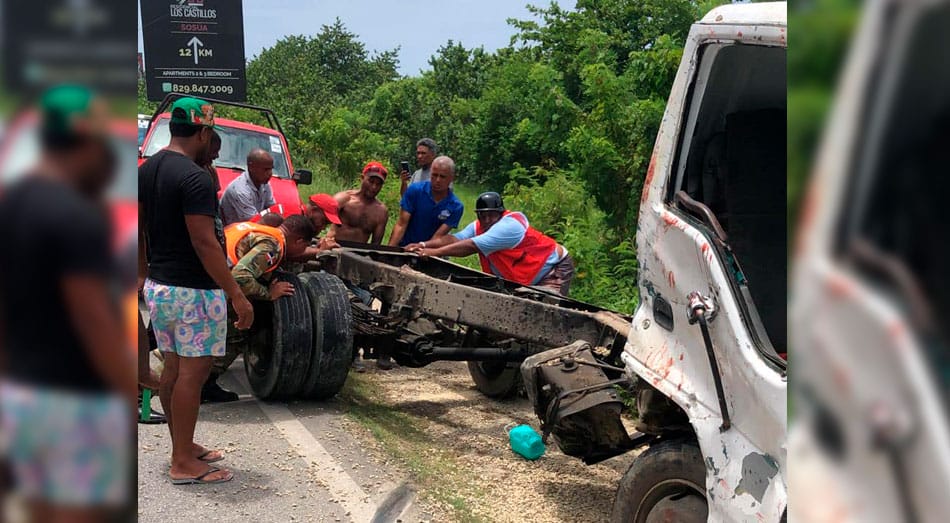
[(362, 215)]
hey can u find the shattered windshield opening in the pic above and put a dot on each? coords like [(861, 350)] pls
[(733, 162)]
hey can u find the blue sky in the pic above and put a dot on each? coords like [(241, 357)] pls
[(418, 27)]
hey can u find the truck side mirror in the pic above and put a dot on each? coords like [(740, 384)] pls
[(303, 177)]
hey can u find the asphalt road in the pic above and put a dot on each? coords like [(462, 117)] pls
[(292, 462)]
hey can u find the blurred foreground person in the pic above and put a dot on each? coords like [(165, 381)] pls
[(187, 281), (871, 435), (68, 394)]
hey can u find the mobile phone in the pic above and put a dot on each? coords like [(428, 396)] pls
[(404, 165)]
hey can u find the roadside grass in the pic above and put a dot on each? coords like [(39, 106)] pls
[(434, 471), (324, 182)]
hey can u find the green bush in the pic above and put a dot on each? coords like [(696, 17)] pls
[(561, 207)]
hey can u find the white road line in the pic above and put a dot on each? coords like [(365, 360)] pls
[(338, 482)]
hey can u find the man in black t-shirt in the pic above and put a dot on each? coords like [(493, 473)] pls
[(67, 395), (185, 281)]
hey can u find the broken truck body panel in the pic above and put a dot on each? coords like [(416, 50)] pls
[(711, 247), (746, 464)]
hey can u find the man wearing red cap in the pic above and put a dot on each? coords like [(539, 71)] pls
[(321, 209), (363, 217)]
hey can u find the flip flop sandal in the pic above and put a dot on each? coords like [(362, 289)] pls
[(199, 480), (210, 460)]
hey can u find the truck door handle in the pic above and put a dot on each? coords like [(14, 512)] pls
[(663, 313)]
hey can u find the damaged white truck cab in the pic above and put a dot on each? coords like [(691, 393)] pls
[(706, 350)]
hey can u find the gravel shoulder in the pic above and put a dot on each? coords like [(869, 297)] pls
[(450, 440)]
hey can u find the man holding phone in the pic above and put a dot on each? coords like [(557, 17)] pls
[(426, 150)]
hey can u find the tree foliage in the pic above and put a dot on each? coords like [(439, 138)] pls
[(303, 79)]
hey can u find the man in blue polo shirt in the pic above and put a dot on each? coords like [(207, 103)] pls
[(429, 209)]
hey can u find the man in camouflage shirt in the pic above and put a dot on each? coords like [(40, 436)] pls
[(256, 251)]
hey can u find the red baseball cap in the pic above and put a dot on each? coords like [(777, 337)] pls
[(328, 205), (376, 169)]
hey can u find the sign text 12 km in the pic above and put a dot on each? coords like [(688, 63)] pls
[(194, 47)]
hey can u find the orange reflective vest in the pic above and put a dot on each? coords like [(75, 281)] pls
[(523, 262), (234, 233)]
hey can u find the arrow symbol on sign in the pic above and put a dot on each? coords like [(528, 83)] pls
[(194, 43)]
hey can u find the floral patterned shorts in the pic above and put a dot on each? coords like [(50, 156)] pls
[(64, 447), (189, 322)]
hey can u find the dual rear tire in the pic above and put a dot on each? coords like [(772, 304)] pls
[(300, 345), (332, 336)]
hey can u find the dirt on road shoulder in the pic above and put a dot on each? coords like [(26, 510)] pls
[(451, 440)]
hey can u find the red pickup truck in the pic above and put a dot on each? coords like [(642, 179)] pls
[(237, 139)]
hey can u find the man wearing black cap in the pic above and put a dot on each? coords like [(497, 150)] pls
[(507, 246)]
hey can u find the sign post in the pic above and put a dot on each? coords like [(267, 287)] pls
[(194, 47), (49, 42)]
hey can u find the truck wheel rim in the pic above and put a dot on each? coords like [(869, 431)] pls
[(259, 357), (668, 499)]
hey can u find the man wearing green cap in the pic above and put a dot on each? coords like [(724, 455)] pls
[(67, 371), (186, 280)]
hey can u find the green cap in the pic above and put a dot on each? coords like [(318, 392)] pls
[(192, 111), (72, 110)]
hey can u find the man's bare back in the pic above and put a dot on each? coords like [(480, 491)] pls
[(361, 219)]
